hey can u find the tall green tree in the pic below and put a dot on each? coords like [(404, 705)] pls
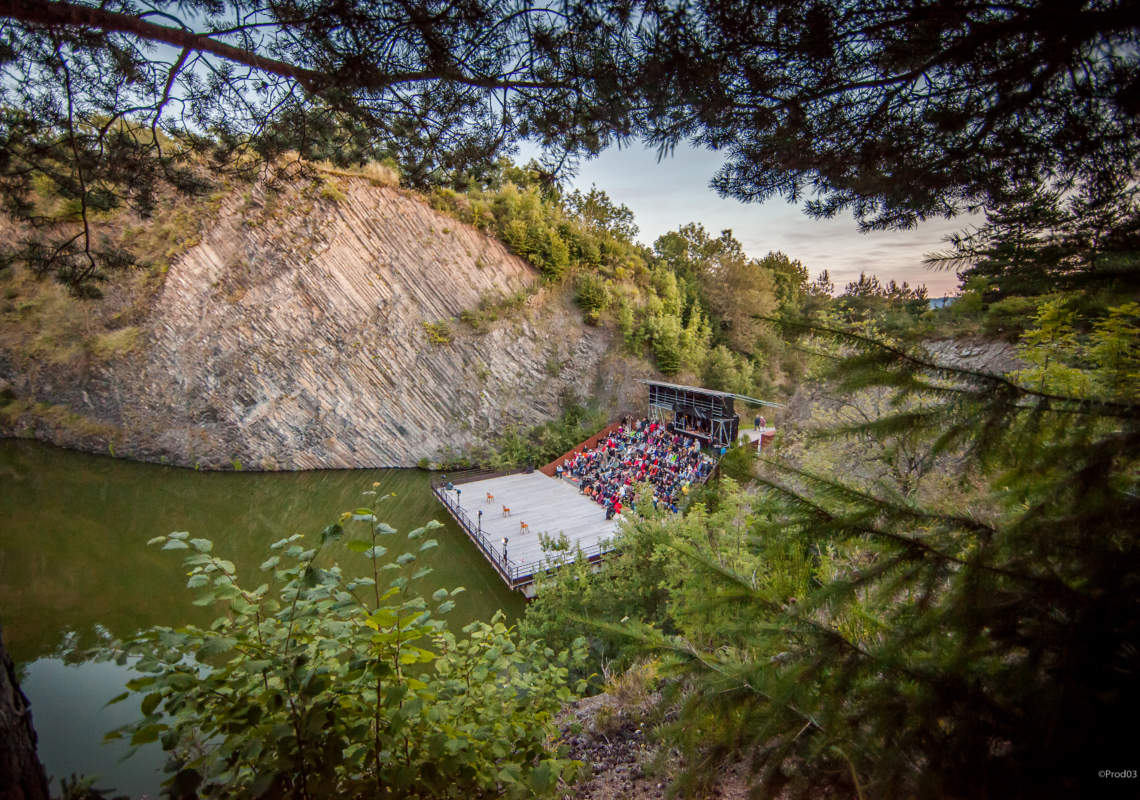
[(596, 210), (1036, 243), (791, 281), (737, 289)]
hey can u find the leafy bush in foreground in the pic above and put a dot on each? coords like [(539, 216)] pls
[(341, 687)]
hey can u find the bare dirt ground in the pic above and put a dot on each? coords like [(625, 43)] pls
[(615, 745)]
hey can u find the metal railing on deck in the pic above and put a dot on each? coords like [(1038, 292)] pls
[(516, 574)]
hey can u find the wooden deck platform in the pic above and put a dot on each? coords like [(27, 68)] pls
[(547, 505)]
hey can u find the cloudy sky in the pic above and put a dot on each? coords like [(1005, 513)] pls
[(664, 195)]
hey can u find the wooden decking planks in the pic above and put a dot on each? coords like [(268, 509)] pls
[(546, 505)]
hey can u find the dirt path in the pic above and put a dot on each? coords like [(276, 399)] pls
[(618, 750)]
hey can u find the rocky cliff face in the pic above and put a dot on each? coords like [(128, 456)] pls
[(308, 329)]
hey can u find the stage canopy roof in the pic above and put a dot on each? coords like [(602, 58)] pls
[(712, 392)]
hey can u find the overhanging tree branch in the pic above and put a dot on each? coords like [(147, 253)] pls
[(54, 14)]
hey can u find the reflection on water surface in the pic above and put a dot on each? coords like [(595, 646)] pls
[(74, 566)]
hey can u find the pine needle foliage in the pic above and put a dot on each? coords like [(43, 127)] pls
[(986, 647)]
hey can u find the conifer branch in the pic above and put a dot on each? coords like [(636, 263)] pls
[(913, 362)]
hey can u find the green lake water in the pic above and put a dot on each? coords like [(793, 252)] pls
[(74, 567)]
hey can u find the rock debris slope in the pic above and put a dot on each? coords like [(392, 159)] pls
[(296, 335)]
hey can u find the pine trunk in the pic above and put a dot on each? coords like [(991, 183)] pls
[(22, 777)]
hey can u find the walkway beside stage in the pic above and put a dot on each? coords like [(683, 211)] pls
[(769, 434), (547, 505)]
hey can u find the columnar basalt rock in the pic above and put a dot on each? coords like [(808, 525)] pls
[(304, 332)]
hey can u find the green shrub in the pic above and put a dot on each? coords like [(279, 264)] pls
[(438, 333), (330, 190), (720, 369), (472, 318), (737, 463), (557, 256), (626, 325), (970, 300), (516, 236), (663, 332), (1010, 317), (544, 443), (592, 296), (333, 687), (114, 343)]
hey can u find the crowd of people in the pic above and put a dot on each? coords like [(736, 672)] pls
[(635, 453)]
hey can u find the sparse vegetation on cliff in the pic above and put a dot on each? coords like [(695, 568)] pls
[(514, 447), (438, 333), (115, 343)]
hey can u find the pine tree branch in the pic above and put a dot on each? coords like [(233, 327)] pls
[(879, 507), (1102, 407), (54, 14)]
